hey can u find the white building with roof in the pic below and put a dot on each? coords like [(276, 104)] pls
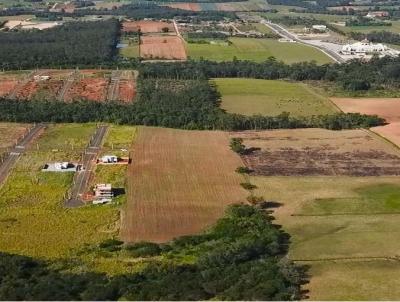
[(364, 47)]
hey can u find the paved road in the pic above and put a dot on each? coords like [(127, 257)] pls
[(82, 178), (288, 35), (11, 159)]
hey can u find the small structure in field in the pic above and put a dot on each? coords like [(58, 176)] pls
[(319, 28), (377, 14), (39, 78), (60, 167), (103, 193), (109, 159)]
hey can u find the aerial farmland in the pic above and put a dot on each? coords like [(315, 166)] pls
[(214, 150)]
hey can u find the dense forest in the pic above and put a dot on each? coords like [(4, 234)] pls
[(70, 44), (241, 258)]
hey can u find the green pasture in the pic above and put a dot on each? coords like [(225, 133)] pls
[(340, 226), (270, 97), (257, 50)]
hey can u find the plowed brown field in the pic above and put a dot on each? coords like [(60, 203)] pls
[(179, 183), (147, 26), (388, 108), (314, 152), (162, 47), (6, 86)]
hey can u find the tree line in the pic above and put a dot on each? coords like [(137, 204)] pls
[(185, 104), (242, 257)]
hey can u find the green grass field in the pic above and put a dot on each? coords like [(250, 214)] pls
[(131, 50), (341, 248), (257, 50), (395, 28), (271, 97), (33, 220)]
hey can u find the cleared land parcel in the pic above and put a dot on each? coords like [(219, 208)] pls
[(179, 183), (319, 152), (388, 108), (268, 97)]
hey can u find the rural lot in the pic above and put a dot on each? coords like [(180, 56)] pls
[(174, 187), (69, 85)]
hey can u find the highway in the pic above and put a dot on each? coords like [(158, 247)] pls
[(9, 162), (288, 35), (82, 177)]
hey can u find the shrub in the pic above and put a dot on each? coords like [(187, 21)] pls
[(248, 186), (243, 170), (144, 249)]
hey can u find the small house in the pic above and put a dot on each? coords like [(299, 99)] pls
[(109, 159), (320, 28), (61, 166), (103, 191)]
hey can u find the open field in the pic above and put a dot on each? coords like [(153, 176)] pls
[(146, 26), (162, 47), (179, 183), (306, 152), (388, 108), (395, 28), (268, 97), (345, 228), (257, 50)]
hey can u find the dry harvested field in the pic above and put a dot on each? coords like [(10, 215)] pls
[(7, 86), (179, 183), (147, 26), (388, 108), (311, 152), (162, 47), (195, 7)]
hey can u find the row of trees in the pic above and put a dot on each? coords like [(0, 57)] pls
[(377, 37), (240, 258), (67, 45), (187, 104)]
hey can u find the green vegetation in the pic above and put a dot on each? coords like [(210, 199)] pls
[(70, 44), (33, 219), (350, 219), (269, 97), (117, 142), (379, 198), (240, 258), (257, 50), (131, 50)]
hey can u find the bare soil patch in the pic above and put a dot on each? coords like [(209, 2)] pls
[(6, 86), (314, 152), (10, 133), (179, 183), (92, 89), (162, 47), (147, 26)]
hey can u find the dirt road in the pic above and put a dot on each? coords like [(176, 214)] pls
[(11, 159), (82, 177)]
